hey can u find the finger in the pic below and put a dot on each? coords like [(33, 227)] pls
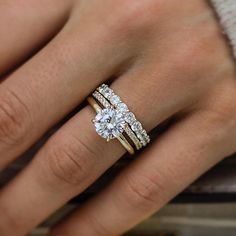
[(25, 26), (187, 150), (54, 82), (72, 159)]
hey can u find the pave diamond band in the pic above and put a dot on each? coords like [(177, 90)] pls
[(114, 120)]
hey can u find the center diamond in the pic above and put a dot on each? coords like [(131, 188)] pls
[(109, 123)]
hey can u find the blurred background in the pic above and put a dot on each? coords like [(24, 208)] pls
[(176, 220)]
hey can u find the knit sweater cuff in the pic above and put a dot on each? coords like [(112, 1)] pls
[(226, 9)]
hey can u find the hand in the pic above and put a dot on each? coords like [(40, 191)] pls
[(169, 60)]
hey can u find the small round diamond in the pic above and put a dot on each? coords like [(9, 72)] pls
[(107, 92), (122, 107), (130, 117), (136, 126), (102, 88), (140, 136), (109, 123), (115, 100), (144, 133)]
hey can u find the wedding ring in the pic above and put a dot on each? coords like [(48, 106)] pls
[(114, 120), (127, 129), (101, 121), (129, 117)]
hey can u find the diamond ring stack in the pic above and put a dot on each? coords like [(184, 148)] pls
[(114, 120)]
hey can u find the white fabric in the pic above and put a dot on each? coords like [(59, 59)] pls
[(226, 10)]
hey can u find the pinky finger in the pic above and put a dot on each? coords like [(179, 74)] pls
[(182, 154)]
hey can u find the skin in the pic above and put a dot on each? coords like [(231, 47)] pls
[(168, 58)]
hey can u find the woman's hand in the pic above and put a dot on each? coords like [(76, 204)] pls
[(168, 58)]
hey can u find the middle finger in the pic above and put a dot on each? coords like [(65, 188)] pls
[(52, 83)]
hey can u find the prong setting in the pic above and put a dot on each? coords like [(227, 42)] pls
[(109, 123)]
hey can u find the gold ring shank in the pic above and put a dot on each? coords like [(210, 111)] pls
[(93, 103)]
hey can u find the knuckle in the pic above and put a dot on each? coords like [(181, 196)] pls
[(218, 115), (194, 61), (192, 53), (14, 118), (133, 14), (223, 115), (146, 191), (69, 160), (200, 54), (201, 44)]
